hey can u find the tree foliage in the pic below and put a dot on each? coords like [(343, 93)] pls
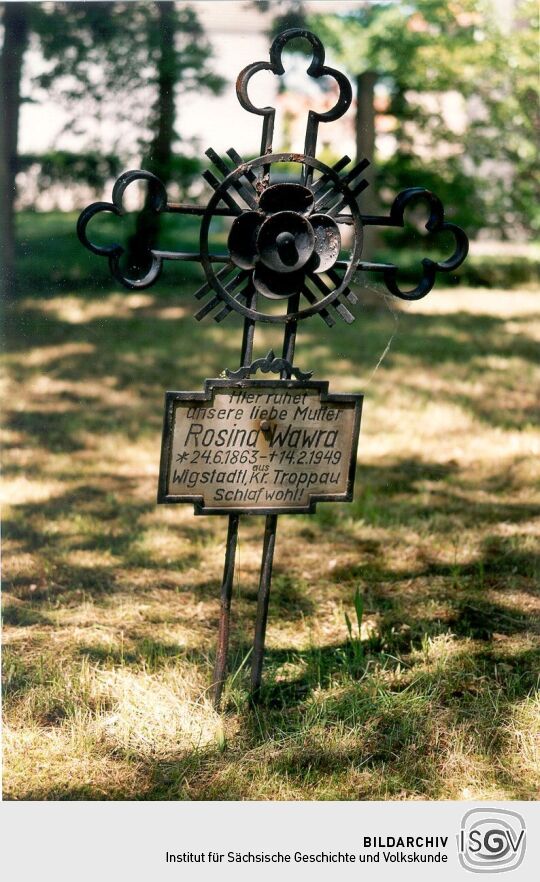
[(503, 137), (118, 67), (66, 168), (106, 61), (427, 53)]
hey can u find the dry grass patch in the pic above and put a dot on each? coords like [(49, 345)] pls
[(110, 603)]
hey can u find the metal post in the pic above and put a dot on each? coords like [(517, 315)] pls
[(289, 338), (262, 604), (220, 669), (270, 529)]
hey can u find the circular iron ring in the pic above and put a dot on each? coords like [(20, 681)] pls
[(237, 173)]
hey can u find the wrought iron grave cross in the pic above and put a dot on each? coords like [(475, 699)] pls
[(259, 446)]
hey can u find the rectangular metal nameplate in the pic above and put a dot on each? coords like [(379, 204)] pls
[(259, 446)]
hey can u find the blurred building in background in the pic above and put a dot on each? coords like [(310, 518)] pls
[(239, 34)]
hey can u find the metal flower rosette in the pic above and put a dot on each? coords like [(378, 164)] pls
[(248, 445)]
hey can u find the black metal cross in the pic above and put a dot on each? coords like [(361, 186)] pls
[(284, 249)]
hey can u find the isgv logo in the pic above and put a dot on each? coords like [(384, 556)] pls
[(491, 840)]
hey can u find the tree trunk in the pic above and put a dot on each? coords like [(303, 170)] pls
[(365, 149), (15, 20), (160, 154)]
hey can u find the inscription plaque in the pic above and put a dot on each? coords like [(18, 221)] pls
[(259, 446)]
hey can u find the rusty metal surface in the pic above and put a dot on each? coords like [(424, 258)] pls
[(263, 599), (286, 239), (220, 668), (269, 364), (285, 262)]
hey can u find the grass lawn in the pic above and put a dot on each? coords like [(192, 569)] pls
[(110, 603)]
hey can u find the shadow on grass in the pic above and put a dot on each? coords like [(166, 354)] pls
[(22, 616), (391, 646), (460, 341), (106, 376), (144, 653), (408, 491), (391, 739)]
